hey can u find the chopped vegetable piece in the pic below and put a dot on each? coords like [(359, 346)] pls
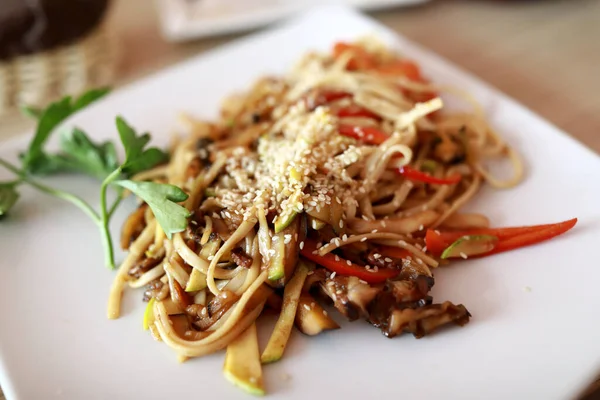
[(311, 318), (509, 238), (366, 134), (403, 68), (472, 245), (436, 244), (356, 111), (416, 175), (535, 237), (341, 266), (429, 166), (149, 314), (325, 97), (284, 220), (276, 346), (394, 252), (242, 363), (196, 282), (283, 262), (360, 60)]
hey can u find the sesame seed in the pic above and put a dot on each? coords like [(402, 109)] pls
[(336, 258), (324, 312), (341, 224), (348, 262), (421, 227), (376, 256), (437, 232), (383, 223), (376, 268), (419, 261), (332, 275), (306, 307), (374, 231), (463, 255), (210, 258), (401, 242), (363, 239), (301, 245), (387, 259), (344, 237), (424, 248)]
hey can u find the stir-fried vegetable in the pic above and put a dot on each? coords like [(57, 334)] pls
[(242, 362), (345, 267), (508, 238), (418, 176), (471, 245), (276, 346), (311, 318), (149, 314), (360, 58), (356, 111), (365, 134)]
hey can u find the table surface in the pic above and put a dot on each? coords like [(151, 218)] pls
[(543, 53)]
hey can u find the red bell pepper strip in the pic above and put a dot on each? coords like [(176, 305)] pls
[(365, 134), (416, 175), (325, 97), (356, 111), (403, 68), (436, 244), (509, 238), (394, 252), (360, 60), (340, 266)]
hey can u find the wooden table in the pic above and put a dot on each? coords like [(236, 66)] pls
[(543, 53)]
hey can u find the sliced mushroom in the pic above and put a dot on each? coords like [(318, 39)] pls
[(424, 320), (350, 295)]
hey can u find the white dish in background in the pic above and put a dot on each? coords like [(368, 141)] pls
[(188, 19), (55, 341)]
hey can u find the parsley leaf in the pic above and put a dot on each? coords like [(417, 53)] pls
[(88, 98), (136, 158), (162, 200), (8, 197), (35, 160), (31, 112), (81, 154)]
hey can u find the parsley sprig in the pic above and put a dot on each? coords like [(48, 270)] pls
[(79, 153)]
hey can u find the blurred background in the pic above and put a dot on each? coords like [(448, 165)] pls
[(543, 53)]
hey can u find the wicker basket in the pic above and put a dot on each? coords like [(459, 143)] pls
[(39, 78)]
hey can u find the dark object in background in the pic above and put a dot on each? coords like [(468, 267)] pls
[(31, 26)]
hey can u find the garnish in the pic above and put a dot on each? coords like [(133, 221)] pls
[(82, 155)]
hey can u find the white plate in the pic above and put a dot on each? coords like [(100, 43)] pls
[(188, 19), (541, 344)]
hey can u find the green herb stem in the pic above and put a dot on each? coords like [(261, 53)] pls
[(105, 218), (71, 198)]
